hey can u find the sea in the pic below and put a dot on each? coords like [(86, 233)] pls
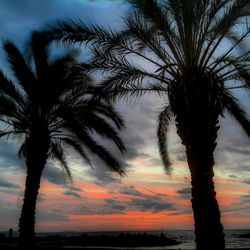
[(186, 237), (232, 237)]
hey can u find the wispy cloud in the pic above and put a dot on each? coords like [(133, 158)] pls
[(7, 184)]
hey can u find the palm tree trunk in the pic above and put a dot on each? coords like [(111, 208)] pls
[(199, 140), (36, 156), (27, 219)]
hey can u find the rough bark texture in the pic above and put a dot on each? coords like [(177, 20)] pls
[(27, 219), (36, 156), (195, 101), (200, 144)]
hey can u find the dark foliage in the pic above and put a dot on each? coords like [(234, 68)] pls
[(50, 105)]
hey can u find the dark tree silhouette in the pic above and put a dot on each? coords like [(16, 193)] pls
[(50, 104), (179, 48)]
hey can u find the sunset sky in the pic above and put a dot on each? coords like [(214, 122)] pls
[(98, 200)]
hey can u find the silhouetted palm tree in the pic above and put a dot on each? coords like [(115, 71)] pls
[(51, 106), (179, 48)]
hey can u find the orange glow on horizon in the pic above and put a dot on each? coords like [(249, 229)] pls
[(128, 215)]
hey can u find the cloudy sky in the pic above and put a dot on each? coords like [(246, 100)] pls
[(98, 200)]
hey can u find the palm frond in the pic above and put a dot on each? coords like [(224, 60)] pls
[(235, 68), (109, 112), (163, 123), (72, 31), (130, 92), (100, 151), (9, 108), (74, 144), (59, 97), (231, 16), (105, 155), (9, 89), (96, 123), (232, 105), (57, 153), (22, 152), (20, 69), (223, 25), (74, 124), (141, 30)]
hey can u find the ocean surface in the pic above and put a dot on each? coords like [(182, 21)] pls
[(232, 237), (233, 241)]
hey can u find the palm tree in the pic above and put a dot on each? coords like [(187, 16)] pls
[(179, 49), (50, 104)]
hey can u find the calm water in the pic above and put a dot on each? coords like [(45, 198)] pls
[(232, 239), (187, 237)]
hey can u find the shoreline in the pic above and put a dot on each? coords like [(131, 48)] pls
[(9, 247)]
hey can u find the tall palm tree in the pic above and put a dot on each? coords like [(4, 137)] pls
[(192, 51), (51, 106)]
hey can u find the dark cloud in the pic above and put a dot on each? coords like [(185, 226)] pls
[(233, 176), (54, 175), (151, 203), (246, 197), (74, 194), (7, 184), (141, 122), (40, 197), (181, 156), (180, 212), (73, 188), (116, 205), (140, 131), (49, 215), (137, 201), (243, 168), (26, 15), (9, 160), (131, 190), (240, 207), (11, 191), (57, 210), (73, 191), (184, 193), (233, 150), (247, 181), (11, 163), (237, 149), (102, 174), (146, 202), (110, 207)]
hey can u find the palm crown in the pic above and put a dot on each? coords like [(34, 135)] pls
[(177, 40), (51, 104), (57, 103)]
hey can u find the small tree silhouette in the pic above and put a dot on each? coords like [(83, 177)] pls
[(53, 109)]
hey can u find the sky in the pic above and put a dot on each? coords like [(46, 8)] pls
[(98, 200)]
